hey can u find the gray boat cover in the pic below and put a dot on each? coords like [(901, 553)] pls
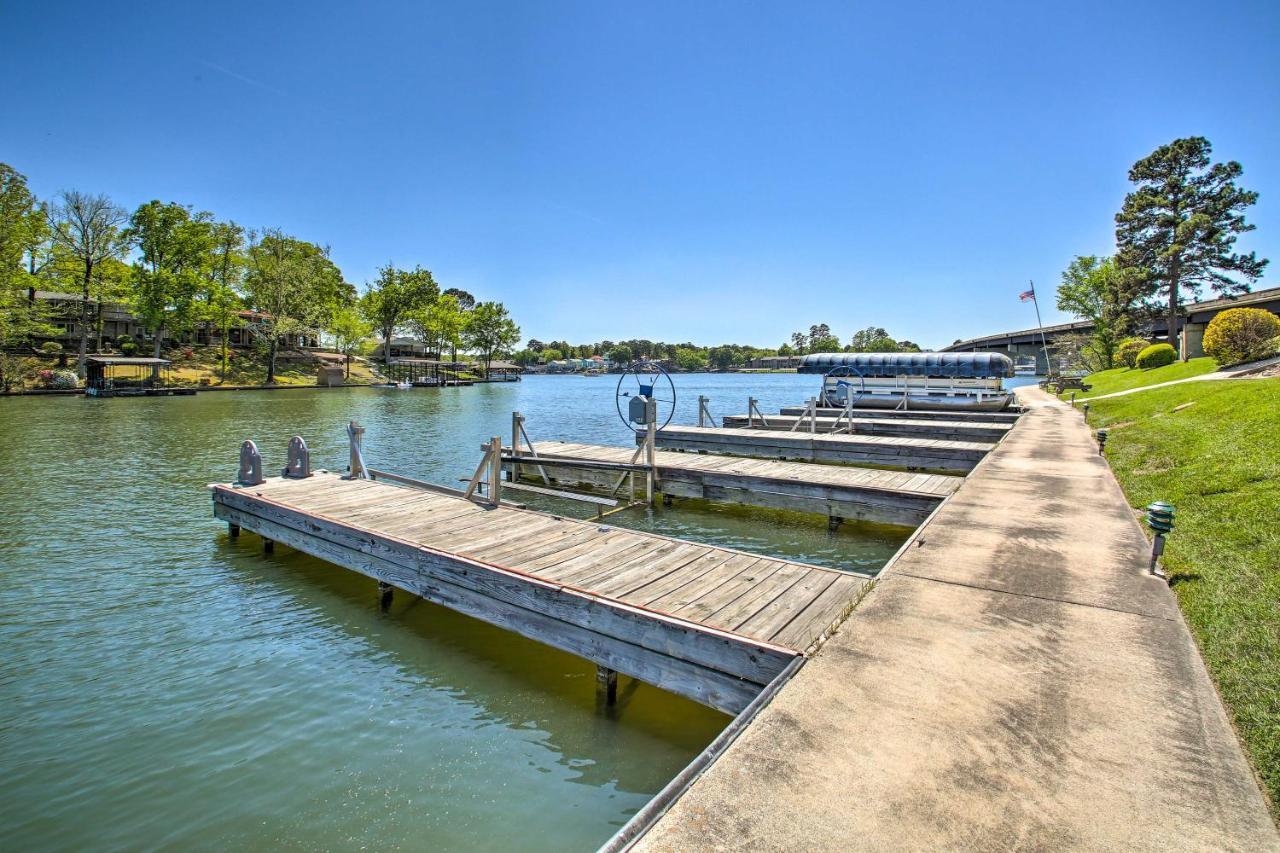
[(940, 365)]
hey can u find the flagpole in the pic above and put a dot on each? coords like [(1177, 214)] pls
[(1048, 366)]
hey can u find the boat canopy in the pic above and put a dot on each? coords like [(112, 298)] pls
[(942, 365)]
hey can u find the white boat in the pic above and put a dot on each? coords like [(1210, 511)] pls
[(404, 385), (937, 381)]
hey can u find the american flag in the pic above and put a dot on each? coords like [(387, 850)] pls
[(1027, 294)]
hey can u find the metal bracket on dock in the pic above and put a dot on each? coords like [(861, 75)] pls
[(704, 414), (753, 411), (299, 467), (250, 465)]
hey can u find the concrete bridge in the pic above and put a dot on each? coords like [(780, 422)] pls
[(1188, 334)]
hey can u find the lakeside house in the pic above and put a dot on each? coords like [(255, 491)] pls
[(117, 321)]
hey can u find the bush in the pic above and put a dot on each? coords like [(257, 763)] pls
[(1156, 355), (63, 379), (1128, 351), (128, 348), (1241, 334), (51, 348)]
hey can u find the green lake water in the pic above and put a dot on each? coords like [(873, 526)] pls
[(162, 686)]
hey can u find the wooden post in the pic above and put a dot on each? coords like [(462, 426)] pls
[(751, 412), (355, 433), (233, 530), (495, 470), (516, 418), (385, 593), (268, 547), (606, 685), (813, 415), (650, 442)]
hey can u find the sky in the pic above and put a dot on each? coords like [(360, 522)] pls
[(713, 172)]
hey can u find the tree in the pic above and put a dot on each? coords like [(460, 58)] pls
[(535, 345), (873, 339), (799, 342), (1181, 223), (1103, 292), (723, 357), (292, 286), (394, 298), (174, 245), (23, 229), (440, 324), (465, 300), (690, 359), (490, 329), (87, 228), (224, 278), (349, 330), (619, 354)]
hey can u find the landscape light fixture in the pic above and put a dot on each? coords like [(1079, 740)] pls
[(1102, 440), (1160, 520)]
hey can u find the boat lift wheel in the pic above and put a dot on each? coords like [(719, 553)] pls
[(646, 379), (848, 377)]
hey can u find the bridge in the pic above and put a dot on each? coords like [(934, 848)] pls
[(1189, 331)]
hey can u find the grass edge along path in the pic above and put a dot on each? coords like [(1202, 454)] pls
[(1125, 378), (1212, 449)]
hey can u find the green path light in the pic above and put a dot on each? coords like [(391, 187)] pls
[(1160, 520)]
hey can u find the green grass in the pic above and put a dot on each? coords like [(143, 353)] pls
[(1217, 461), (1124, 378)]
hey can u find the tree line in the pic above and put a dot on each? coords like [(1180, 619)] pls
[(693, 357), (174, 268), (1175, 236)]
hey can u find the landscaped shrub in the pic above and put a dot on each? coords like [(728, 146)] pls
[(51, 348), (1241, 334), (1156, 355), (1128, 351), (57, 379)]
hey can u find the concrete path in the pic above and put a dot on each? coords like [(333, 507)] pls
[(1016, 680)]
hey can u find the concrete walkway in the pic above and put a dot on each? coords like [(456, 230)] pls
[(1015, 680)]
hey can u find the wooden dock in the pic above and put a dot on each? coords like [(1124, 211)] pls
[(709, 623), (838, 492), (904, 426), (890, 451), (1006, 416)]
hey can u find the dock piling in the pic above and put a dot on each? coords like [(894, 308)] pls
[(355, 435), (606, 685), (385, 593), (495, 470), (268, 546)]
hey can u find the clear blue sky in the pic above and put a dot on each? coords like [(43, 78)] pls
[(704, 171)]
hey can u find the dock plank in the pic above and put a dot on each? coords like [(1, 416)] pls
[(893, 497)]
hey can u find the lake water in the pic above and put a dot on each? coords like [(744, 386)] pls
[(164, 686)]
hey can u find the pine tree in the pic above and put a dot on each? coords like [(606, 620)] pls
[(1181, 223)]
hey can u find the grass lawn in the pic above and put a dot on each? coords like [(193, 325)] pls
[(1124, 378), (248, 367), (1212, 449)]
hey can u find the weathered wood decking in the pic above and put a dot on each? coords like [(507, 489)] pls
[(904, 426), (892, 497), (709, 623), (1005, 416), (920, 453)]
